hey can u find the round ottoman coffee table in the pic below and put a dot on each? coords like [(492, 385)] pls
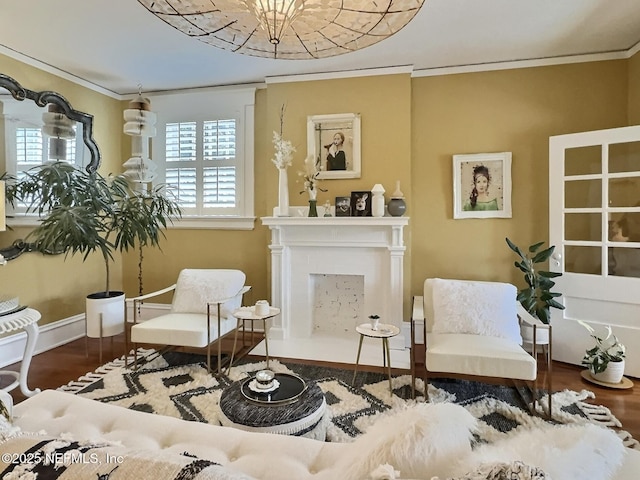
[(297, 407)]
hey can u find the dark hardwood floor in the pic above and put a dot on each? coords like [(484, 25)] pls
[(57, 367)]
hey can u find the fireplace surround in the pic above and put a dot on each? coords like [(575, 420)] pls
[(304, 248)]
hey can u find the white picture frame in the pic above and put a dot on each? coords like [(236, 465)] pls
[(492, 194), (322, 131)]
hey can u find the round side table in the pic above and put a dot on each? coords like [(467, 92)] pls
[(26, 320), (249, 314), (384, 331)]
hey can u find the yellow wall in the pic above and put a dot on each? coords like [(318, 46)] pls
[(55, 286), (410, 130), (511, 110)]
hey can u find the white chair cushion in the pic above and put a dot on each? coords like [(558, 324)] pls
[(480, 308), (478, 355), (180, 329), (196, 287)]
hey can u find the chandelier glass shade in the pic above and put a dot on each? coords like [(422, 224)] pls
[(59, 128), (140, 125), (287, 29), (275, 16)]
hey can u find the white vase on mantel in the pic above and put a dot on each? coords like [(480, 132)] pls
[(377, 201), (283, 193)]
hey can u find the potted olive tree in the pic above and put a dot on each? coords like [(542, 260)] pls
[(84, 212), (537, 297)]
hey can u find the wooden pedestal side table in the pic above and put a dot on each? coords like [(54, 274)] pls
[(27, 320), (244, 314), (384, 331)]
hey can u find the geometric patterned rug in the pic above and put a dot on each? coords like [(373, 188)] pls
[(179, 385)]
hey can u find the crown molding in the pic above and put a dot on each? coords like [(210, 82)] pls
[(366, 72), (538, 62), (403, 69), (57, 72)]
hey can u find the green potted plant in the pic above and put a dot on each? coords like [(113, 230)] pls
[(537, 297), (85, 212), (605, 360)]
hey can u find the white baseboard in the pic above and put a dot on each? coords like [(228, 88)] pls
[(63, 331), (51, 335)]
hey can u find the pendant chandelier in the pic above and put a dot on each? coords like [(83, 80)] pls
[(140, 125), (287, 29), (59, 128)]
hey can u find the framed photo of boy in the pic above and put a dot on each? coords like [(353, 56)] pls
[(482, 185), (334, 142), (343, 206), (361, 204)]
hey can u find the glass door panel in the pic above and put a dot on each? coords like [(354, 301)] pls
[(583, 194), (582, 160), (624, 157), (624, 192), (624, 262), (586, 260), (583, 226)]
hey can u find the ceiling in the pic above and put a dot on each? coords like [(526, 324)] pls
[(117, 44)]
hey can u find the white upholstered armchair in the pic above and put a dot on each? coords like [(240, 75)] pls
[(471, 328), (201, 311)]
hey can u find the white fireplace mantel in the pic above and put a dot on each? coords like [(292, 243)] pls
[(301, 247)]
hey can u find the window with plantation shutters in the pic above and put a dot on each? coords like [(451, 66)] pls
[(204, 146), (201, 165)]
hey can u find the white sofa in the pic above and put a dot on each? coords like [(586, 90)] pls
[(424, 438)]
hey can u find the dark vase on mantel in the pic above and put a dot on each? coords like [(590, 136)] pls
[(313, 210), (397, 206)]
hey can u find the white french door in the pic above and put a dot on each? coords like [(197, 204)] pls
[(594, 222)]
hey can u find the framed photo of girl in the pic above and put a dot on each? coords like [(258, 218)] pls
[(482, 185), (334, 142)]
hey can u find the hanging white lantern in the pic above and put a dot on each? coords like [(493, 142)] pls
[(59, 128), (140, 124)]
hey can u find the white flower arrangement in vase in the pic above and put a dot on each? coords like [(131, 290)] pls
[(282, 159), (310, 178), (284, 151)]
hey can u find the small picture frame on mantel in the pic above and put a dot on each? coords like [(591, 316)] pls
[(361, 204), (343, 206)]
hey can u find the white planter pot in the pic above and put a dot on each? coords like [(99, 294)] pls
[(612, 374), (110, 310), (542, 335)]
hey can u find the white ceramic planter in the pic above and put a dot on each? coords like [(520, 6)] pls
[(112, 311), (612, 374), (542, 335)]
